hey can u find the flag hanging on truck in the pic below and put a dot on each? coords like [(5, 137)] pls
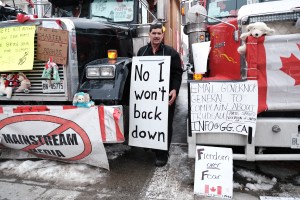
[(275, 62)]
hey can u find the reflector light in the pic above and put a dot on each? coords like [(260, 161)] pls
[(197, 77), (112, 54), (182, 11), (202, 37)]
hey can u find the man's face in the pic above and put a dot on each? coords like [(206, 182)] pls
[(156, 36)]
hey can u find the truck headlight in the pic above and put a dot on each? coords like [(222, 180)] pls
[(100, 71)]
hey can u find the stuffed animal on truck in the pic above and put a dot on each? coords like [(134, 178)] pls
[(256, 30), (5, 90), (24, 83), (82, 99)]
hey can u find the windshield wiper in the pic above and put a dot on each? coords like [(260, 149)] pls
[(103, 17)]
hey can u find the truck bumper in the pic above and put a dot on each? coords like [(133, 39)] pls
[(272, 141)]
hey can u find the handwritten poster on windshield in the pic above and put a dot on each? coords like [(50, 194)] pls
[(16, 48), (149, 99), (213, 172), (229, 107), (123, 12)]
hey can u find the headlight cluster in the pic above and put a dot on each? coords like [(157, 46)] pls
[(100, 71)]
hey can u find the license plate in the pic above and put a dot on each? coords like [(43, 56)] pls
[(53, 87), (295, 141)]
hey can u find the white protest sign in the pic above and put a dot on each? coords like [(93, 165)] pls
[(71, 135), (213, 172), (149, 97), (200, 55), (223, 107)]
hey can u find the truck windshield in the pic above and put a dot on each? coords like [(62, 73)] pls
[(224, 8), (112, 10)]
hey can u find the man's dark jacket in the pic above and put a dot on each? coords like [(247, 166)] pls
[(175, 70)]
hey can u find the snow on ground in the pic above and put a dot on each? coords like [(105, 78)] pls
[(52, 171), (67, 174), (256, 181), (60, 173)]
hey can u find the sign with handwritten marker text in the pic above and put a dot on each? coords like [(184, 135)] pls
[(149, 97), (16, 48), (52, 43), (213, 172), (224, 107)]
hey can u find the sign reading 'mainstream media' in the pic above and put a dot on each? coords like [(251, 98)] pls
[(223, 107)]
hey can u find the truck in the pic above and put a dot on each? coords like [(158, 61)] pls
[(277, 118), (84, 46)]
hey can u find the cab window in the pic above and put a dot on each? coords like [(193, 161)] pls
[(112, 10)]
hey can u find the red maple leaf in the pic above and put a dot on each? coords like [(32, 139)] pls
[(291, 66), (212, 189)]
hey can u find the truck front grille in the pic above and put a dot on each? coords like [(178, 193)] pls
[(36, 92)]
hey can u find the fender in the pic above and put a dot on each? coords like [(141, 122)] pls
[(109, 91)]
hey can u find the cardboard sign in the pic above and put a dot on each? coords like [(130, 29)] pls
[(52, 43), (213, 172), (149, 97), (71, 135), (16, 48), (223, 107)]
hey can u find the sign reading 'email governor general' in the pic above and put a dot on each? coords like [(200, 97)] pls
[(223, 107)]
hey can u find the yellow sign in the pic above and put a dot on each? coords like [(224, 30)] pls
[(16, 48)]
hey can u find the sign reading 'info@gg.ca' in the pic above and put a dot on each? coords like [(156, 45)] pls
[(149, 97)]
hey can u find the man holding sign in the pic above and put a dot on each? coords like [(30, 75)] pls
[(157, 48)]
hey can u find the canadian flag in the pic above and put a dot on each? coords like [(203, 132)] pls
[(215, 190), (274, 61)]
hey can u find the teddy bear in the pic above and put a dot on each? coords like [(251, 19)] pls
[(24, 83), (82, 99), (5, 90), (256, 30)]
